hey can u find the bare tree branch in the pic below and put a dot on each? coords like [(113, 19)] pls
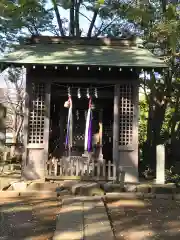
[(116, 18), (20, 123), (82, 14), (14, 103), (108, 25), (92, 22)]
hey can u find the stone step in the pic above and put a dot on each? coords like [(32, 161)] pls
[(87, 189)]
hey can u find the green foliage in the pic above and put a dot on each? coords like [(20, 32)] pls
[(171, 177), (16, 17)]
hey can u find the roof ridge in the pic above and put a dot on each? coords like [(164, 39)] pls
[(106, 41)]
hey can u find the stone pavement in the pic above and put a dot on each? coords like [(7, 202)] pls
[(84, 219), (145, 219), (28, 218)]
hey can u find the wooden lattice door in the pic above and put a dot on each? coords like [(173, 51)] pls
[(37, 114), (126, 113)]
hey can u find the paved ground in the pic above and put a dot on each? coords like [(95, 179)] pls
[(28, 219), (35, 219), (146, 220)]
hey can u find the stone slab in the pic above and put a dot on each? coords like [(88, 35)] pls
[(130, 187), (69, 223), (63, 193), (42, 194), (69, 200), (68, 184), (96, 222), (9, 194), (163, 189), (41, 186), (149, 195), (87, 189), (176, 196), (76, 188), (92, 189), (164, 196), (19, 186), (124, 196), (113, 187), (143, 188)]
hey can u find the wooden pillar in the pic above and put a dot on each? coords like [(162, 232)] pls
[(25, 124), (134, 159), (47, 123), (116, 129)]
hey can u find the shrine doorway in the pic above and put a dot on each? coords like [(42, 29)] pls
[(102, 101)]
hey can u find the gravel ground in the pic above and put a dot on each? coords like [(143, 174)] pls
[(145, 220), (28, 218)]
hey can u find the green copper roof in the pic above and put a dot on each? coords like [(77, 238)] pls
[(82, 55)]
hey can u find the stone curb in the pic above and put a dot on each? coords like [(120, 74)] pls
[(71, 200), (121, 196), (9, 194), (15, 194), (126, 196), (68, 199), (141, 188)]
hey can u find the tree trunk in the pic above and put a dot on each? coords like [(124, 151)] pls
[(77, 7), (58, 17), (16, 133), (92, 23), (72, 18), (12, 150), (157, 108)]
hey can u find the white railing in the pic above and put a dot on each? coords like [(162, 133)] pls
[(79, 168)]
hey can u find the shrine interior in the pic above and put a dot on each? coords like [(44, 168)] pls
[(102, 113)]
